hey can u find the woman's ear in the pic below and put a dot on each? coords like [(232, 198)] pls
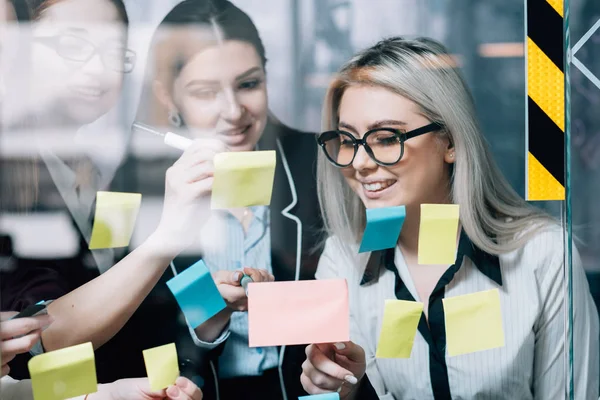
[(163, 95), (450, 152), (450, 156)]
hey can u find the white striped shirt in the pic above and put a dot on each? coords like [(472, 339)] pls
[(531, 365), (251, 249)]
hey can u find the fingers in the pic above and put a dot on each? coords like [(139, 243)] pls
[(259, 275), (7, 315), (5, 370), (234, 277), (201, 150), (21, 326), (202, 187), (197, 172), (6, 358), (310, 387), (227, 277), (323, 372), (177, 175), (184, 389), (11, 347), (351, 351)]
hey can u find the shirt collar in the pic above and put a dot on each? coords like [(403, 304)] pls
[(486, 263)]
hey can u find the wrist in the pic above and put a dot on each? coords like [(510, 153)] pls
[(163, 244)]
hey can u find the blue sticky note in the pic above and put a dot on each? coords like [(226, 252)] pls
[(196, 294), (324, 396), (383, 228)]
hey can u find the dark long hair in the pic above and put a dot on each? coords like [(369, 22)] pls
[(222, 19), (233, 23), (38, 7)]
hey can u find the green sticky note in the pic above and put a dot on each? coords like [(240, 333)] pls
[(437, 233), (243, 179), (473, 322), (398, 329), (162, 366), (64, 373), (114, 219)]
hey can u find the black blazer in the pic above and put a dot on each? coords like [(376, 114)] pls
[(159, 320), (298, 152)]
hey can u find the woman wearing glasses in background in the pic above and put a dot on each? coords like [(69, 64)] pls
[(401, 130), (74, 68)]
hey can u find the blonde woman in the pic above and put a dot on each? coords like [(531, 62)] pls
[(401, 130)]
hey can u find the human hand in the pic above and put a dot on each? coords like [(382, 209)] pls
[(229, 285), (331, 367), (188, 185), (11, 345), (139, 389)]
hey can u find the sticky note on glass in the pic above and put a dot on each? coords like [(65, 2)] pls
[(243, 179), (196, 294), (437, 233), (298, 312), (383, 228), (162, 366), (114, 220), (64, 373), (324, 396), (398, 329), (473, 322)]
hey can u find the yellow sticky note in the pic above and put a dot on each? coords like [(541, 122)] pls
[(398, 329), (114, 219), (162, 366), (437, 233), (473, 322), (64, 373), (243, 179)]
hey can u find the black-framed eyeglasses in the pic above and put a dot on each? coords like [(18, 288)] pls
[(75, 48), (385, 146)]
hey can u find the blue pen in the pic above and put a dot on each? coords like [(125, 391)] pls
[(246, 279)]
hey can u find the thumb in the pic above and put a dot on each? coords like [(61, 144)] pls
[(228, 277), (350, 350), (235, 278)]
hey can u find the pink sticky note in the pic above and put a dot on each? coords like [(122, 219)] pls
[(302, 312)]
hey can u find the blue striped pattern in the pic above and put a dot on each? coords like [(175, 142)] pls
[(252, 249)]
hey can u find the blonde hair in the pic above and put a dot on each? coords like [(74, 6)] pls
[(494, 216)]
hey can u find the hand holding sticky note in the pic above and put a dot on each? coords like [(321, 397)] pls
[(399, 327), (162, 366), (64, 373), (298, 312), (197, 294), (114, 219), (243, 179), (473, 322), (383, 228), (437, 233)]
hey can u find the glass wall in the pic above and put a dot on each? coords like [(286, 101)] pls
[(45, 223), (585, 139)]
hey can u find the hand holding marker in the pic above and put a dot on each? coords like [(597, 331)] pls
[(246, 279), (182, 143), (171, 139)]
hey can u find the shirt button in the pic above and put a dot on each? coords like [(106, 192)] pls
[(259, 350)]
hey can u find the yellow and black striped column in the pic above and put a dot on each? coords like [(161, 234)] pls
[(546, 101)]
